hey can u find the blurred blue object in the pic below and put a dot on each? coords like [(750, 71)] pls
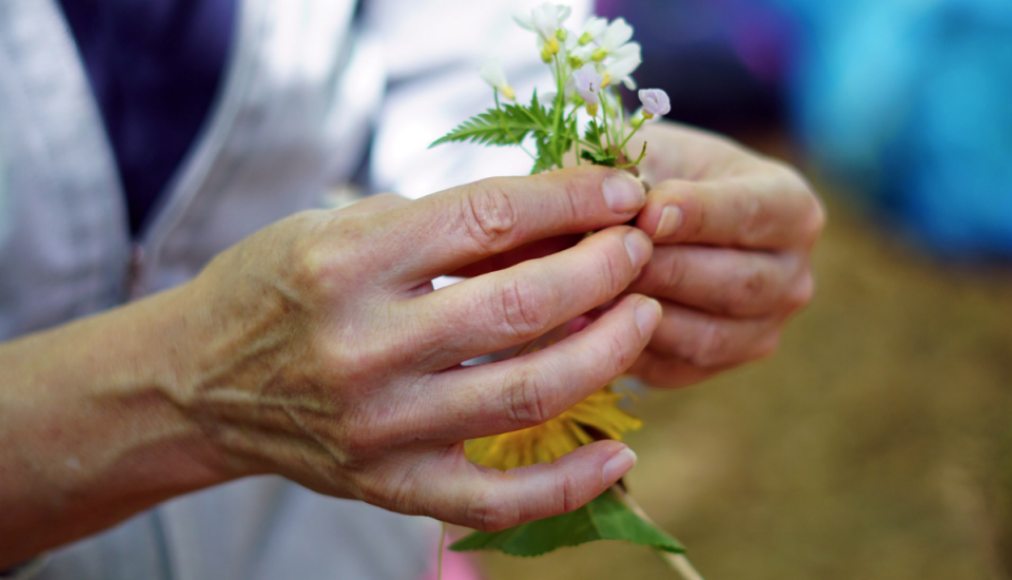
[(911, 101)]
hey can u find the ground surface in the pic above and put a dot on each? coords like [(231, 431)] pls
[(877, 444)]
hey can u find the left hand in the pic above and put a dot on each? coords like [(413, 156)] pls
[(733, 232)]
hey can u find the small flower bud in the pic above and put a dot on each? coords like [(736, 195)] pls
[(655, 103)]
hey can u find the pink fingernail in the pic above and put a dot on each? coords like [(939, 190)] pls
[(671, 218), (623, 193), (618, 465), (638, 247)]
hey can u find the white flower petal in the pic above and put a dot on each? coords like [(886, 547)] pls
[(592, 29), (492, 73), (618, 33), (624, 63), (587, 83), (545, 19)]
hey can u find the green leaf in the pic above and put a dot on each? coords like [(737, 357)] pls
[(605, 518), (594, 133), (508, 125), (599, 158)]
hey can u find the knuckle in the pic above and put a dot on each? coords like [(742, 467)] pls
[(569, 496), (362, 438), (620, 352), (489, 512), (524, 402), (711, 348), (359, 360), (672, 274), (489, 216), (523, 309), (750, 288), (575, 199), (756, 219), (320, 262), (394, 489), (613, 271)]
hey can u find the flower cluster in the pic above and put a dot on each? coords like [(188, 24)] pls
[(584, 116)]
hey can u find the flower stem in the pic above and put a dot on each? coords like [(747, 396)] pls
[(442, 548), (560, 104), (678, 562)]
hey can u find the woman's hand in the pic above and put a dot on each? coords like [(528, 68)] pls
[(317, 349), (327, 357), (732, 232)]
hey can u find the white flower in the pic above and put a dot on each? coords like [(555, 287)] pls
[(546, 19), (580, 47), (587, 83), (592, 30), (618, 68), (618, 33), (655, 103), (492, 73)]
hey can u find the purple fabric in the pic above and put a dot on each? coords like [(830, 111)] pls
[(155, 67)]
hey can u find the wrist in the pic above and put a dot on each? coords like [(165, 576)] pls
[(92, 432)]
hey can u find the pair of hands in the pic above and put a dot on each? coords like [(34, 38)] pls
[(327, 357)]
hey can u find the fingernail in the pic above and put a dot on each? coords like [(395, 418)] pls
[(647, 314), (618, 465), (623, 193), (671, 218), (638, 247)]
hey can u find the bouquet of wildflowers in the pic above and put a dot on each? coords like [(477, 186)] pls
[(584, 115), (581, 121)]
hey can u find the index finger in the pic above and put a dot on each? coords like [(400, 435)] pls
[(771, 208), (446, 231)]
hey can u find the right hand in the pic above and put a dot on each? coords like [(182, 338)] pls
[(325, 356)]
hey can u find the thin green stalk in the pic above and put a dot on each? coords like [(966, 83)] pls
[(629, 137), (604, 124), (678, 562), (560, 104), (442, 548)]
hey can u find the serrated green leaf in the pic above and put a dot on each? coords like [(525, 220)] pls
[(605, 518), (508, 125)]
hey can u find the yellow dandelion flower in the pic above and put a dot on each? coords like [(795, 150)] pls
[(596, 416)]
